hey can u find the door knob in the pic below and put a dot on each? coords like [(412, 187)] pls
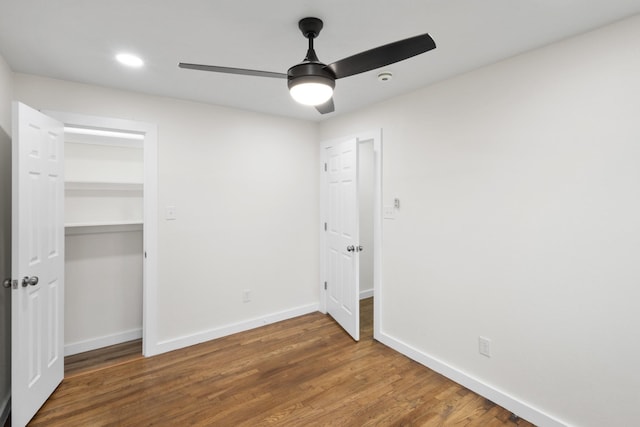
[(359, 248), (33, 280), (351, 248), (6, 283)]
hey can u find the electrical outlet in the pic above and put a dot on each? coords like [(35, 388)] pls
[(246, 295), (484, 346), (388, 212)]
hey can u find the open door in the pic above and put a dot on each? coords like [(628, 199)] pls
[(342, 258), (37, 301)]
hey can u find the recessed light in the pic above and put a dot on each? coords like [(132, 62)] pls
[(130, 60)]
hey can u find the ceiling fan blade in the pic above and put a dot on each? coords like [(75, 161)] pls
[(230, 70), (327, 107), (381, 56)]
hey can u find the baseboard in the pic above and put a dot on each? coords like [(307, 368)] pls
[(521, 409), (100, 342), (5, 408), (367, 293), (234, 328)]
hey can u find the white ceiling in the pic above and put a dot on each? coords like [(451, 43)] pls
[(77, 39)]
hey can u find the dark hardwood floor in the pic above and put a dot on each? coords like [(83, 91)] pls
[(300, 372)]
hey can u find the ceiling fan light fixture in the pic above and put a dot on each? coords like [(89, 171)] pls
[(310, 83), (311, 93)]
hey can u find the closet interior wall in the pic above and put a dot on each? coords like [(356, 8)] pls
[(103, 241)]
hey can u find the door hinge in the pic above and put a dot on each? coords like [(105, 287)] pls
[(325, 226), (325, 167), (325, 286), (145, 254)]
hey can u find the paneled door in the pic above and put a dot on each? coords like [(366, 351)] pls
[(343, 289), (37, 302)]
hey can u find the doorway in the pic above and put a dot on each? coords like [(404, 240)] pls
[(365, 262), (110, 233), (103, 199), (37, 249)]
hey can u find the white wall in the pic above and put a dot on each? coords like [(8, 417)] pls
[(6, 95), (245, 188), (519, 222), (365, 198)]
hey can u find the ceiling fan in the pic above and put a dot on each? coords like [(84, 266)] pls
[(311, 82)]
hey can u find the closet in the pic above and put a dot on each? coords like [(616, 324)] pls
[(104, 175)]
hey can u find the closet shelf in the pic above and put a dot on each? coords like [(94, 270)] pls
[(103, 185), (102, 227), (103, 223)]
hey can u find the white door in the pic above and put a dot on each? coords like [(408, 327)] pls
[(343, 302), (37, 323)]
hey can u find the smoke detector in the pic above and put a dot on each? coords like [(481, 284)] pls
[(385, 76)]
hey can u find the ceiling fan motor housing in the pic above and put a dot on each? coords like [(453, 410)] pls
[(310, 72)]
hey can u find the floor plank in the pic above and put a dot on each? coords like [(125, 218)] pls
[(301, 372)]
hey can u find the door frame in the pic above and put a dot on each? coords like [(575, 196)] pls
[(150, 211), (376, 137)]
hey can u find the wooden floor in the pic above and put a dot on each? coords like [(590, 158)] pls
[(300, 372), (89, 361)]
